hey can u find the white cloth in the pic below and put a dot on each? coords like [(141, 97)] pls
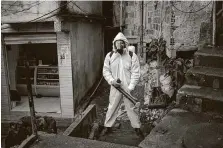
[(127, 69), (131, 48)]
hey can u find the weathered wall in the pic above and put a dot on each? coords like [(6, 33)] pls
[(24, 11), (12, 56), (65, 73), (87, 56), (192, 28), (14, 11), (5, 107), (85, 7)]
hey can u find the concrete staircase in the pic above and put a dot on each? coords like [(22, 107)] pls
[(203, 90)]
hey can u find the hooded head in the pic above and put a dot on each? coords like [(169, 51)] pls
[(120, 37)]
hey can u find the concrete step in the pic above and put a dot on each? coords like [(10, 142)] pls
[(209, 57), (200, 99), (205, 76), (183, 129), (61, 141)]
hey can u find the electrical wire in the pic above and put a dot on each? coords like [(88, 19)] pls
[(26, 8), (190, 11), (93, 93), (80, 8), (62, 6), (49, 12), (10, 6), (16, 5), (43, 15)]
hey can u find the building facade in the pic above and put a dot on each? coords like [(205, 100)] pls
[(192, 22), (63, 42)]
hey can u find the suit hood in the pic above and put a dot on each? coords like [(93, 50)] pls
[(120, 36)]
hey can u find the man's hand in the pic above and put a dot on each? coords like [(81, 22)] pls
[(115, 83)]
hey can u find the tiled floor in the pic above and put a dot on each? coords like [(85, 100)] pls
[(43, 105)]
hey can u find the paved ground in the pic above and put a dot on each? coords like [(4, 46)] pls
[(41, 104), (60, 141), (125, 134), (177, 128)]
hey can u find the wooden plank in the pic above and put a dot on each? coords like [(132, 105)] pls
[(28, 142), (81, 124)]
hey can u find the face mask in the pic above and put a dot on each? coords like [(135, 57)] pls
[(120, 45), (120, 51)]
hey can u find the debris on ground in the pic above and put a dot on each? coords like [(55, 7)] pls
[(122, 130), (22, 129)]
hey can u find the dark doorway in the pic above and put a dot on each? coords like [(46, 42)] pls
[(109, 31), (219, 26)]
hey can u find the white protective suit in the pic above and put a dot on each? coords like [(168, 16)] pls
[(127, 69)]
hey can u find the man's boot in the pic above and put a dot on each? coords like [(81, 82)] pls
[(105, 131), (139, 133)]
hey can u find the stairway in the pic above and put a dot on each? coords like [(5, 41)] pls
[(203, 89)]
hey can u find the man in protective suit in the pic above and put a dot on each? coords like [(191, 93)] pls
[(124, 65)]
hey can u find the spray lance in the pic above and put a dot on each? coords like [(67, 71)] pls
[(128, 96)]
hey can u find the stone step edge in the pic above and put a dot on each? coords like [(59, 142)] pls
[(201, 92), (209, 71), (199, 53), (213, 51)]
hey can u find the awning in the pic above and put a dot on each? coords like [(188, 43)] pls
[(31, 38)]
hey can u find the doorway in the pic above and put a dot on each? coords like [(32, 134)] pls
[(44, 76), (219, 25)]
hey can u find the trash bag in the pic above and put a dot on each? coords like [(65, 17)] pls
[(166, 85)]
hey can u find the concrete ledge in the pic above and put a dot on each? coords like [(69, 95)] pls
[(27, 142), (82, 125), (170, 131), (61, 141)]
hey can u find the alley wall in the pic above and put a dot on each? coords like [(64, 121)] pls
[(192, 29), (25, 11), (87, 56)]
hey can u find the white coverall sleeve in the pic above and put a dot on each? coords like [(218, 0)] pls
[(135, 72), (107, 70)]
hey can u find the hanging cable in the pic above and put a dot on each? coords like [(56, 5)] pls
[(191, 11), (10, 6), (43, 15), (49, 12), (26, 9), (80, 8)]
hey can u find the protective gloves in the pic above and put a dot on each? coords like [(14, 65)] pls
[(115, 83)]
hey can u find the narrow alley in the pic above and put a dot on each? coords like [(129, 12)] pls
[(112, 74), (122, 133)]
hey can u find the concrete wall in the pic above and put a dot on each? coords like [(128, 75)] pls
[(65, 74), (192, 28), (5, 106), (13, 12), (12, 56), (85, 7), (87, 56), (83, 47), (24, 11)]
